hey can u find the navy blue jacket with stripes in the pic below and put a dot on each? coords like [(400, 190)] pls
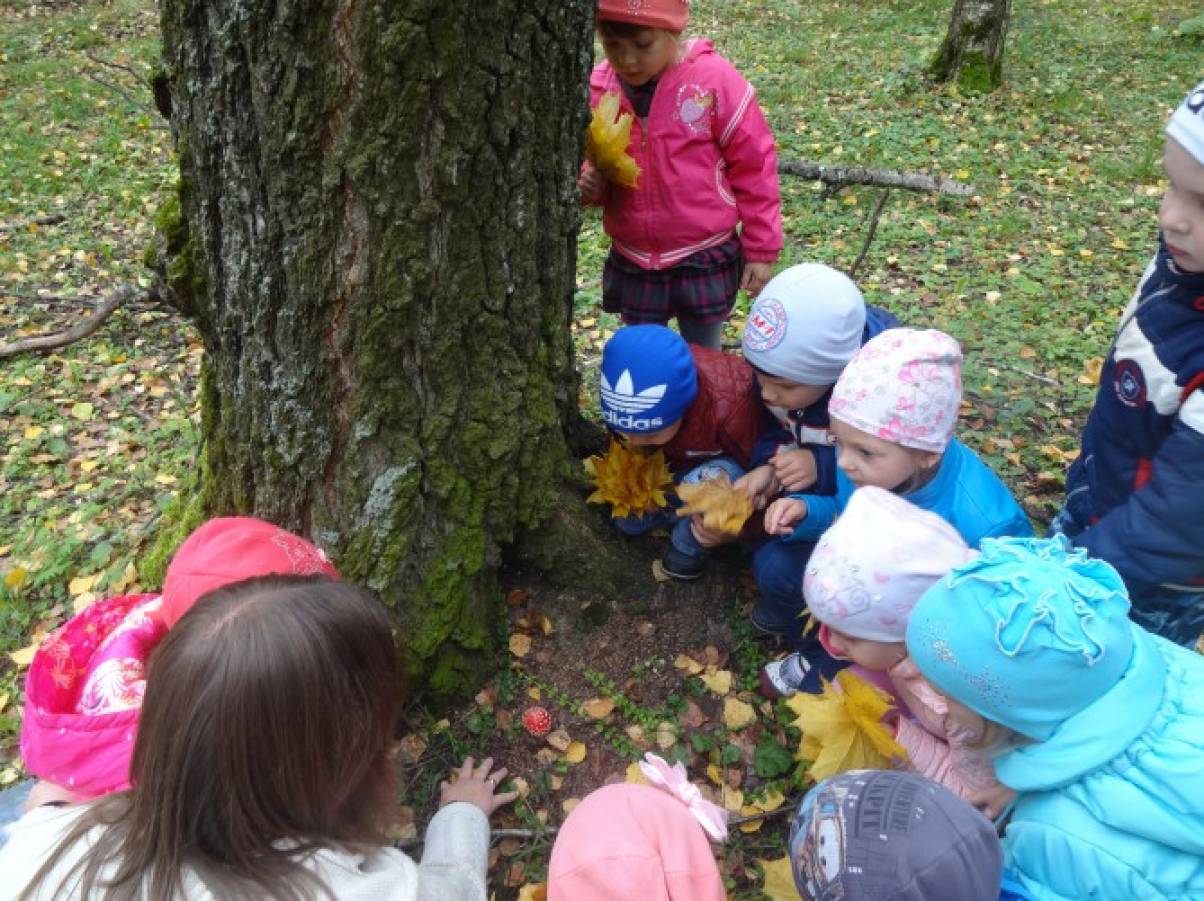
[(809, 427), (1137, 488)]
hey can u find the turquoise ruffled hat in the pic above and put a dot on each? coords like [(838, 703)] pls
[(1027, 634)]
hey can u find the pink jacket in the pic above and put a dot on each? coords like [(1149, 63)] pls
[(83, 695), (934, 745), (707, 162)]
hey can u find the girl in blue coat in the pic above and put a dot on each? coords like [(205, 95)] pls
[(1098, 725)]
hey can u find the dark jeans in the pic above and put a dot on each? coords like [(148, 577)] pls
[(682, 536)]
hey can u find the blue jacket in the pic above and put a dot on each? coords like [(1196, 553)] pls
[(1137, 488), (964, 492), (1112, 806), (808, 426)]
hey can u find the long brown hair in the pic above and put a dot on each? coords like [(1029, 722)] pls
[(264, 736)]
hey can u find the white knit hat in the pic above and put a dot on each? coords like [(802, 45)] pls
[(874, 564), (1187, 124), (806, 325), (905, 386)]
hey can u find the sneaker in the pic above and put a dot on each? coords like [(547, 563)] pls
[(783, 678), (685, 567)]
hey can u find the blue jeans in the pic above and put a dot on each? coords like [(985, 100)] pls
[(778, 568), (1177, 616), (681, 535), (12, 799)]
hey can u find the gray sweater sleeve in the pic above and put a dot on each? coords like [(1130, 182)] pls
[(455, 855)]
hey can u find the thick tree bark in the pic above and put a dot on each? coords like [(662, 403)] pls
[(972, 52), (376, 234)]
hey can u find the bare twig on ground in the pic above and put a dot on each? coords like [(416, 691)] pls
[(1036, 376), (52, 219), (548, 831), (120, 91), (55, 340), (869, 237), (101, 61), (840, 176)]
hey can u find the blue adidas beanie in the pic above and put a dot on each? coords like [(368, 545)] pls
[(647, 379), (1027, 634)]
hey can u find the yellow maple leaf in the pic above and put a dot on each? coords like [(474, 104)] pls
[(629, 480), (843, 729), (723, 508), (779, 879), (606, 142)]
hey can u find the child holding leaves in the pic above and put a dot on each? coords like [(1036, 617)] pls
[(706, 165)]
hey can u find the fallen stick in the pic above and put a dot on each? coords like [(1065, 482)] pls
[(551, 830), (840, 176), (82, 329), (52, 219)]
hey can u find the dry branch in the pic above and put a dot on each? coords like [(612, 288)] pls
[(548, 831), (82, 329), (52, 219), (841, 176)]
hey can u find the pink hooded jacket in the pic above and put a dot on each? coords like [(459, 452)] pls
[(707, 162), (865, 588), (84, 688)]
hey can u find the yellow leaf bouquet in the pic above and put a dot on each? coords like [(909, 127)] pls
[(722, 507), (843, 729), (606, 142), (629, 480)]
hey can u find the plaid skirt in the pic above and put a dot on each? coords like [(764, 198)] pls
[(702, 287)]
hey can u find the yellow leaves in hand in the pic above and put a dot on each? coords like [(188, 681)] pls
[(722, 507), (843, 729), (606, 142), (629, 480)]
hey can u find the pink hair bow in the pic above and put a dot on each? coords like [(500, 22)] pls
[(676, 782)]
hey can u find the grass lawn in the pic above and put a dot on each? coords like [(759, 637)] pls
[(1030, 274)]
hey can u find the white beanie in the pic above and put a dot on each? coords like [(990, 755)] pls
[(904, 386), (806, 325), (876, 562), (1187, 124)]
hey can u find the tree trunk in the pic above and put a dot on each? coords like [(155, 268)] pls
[(972, 52), (376, 233)]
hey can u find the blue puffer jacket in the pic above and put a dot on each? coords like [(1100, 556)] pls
[(964, 492), (1112, 807), (808, 427), (1137, 489)]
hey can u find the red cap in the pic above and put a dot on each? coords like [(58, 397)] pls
[(668, 14), (231, 549)]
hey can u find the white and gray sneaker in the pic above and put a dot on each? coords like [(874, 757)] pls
[(783, 678)]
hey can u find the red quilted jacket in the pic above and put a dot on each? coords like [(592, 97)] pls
[(726, 417)]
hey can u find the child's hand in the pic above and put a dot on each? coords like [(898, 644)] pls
[(760, 484), (795, 469), (707, 537), (476, 785), (993, 801), (784, 514), (592, 184), (755, 276)]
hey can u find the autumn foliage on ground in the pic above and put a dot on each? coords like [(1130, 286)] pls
[(1030, 275)]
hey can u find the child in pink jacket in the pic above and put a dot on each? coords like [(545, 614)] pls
[(646, 842), (707, 165), (866, 574), (83, 692)]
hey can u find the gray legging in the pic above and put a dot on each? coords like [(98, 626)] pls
[(703, 334)]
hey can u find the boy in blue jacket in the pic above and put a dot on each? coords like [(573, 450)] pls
[(801, 333), (1135, 495)]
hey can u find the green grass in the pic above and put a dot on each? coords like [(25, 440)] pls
[(1030, 275)]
